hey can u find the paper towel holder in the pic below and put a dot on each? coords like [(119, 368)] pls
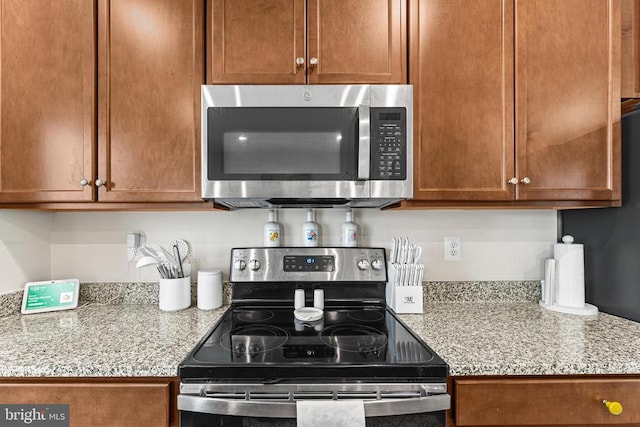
[(550, 284)]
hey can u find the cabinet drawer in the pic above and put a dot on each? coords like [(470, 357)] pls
[(97, 404), (545, 401)]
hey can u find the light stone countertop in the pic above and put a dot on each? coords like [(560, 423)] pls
[(127, 340), (522, 338), (474, 335)]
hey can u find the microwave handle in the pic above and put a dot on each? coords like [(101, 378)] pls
[(364, 142)]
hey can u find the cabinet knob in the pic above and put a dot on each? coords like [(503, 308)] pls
[(615, 408), (299, 61), (84, 182), (99, 182), (513, 181), (313, 62), (526, 180)]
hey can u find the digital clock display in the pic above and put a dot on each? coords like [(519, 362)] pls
[(323, 263)]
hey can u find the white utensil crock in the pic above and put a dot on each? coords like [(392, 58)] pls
[(175, 294)]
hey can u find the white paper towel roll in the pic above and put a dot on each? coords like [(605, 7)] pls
[(569, 274), (334, 413)]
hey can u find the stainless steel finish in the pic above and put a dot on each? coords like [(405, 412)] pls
[(377, 264), (313, 62), (84, 182), (390, 96), (279, 400), (272, 270), (364, 142), (99, 182), (357, 193), (299, 61), (513, 181), (526, 180)]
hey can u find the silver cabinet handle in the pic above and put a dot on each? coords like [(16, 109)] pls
[(99, 182), (299, 61), (526, 180), (84, 182), (313, 62), (513, 181)]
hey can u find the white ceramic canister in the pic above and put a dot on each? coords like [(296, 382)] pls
[(209, 290)]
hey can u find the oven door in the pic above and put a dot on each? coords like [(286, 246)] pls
[(275, 405), (286, 141)]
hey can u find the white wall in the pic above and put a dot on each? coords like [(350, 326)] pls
[(24, 248), (496, 245)]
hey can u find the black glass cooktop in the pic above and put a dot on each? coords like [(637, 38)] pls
[(268, 342)]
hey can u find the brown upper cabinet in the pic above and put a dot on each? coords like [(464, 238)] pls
[(142, 144), (312, 41), (47, 93), (516, 100), (150, 68)]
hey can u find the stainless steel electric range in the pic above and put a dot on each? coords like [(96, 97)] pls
[(260, 359)]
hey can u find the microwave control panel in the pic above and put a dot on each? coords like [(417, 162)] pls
[(388, 143)]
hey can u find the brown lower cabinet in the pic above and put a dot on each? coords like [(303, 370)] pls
[(97, 402), (544, 401)]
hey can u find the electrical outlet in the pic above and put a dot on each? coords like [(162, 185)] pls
[(452, 249), (133, 243)]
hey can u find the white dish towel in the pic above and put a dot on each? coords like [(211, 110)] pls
[(334, 413)]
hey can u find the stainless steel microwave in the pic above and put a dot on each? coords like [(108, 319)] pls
[(307, 146)]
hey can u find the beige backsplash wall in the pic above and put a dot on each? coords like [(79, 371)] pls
[(91, 246), (25, 247), (496, 244)]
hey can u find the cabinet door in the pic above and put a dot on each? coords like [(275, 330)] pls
[(357, 41), (98, 404), (47, 92), (630, 85), (461, 66), (552, 401), (568, 99), (256, 41), (150, 68)]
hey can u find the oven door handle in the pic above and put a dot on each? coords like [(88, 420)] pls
[(287, 409), (364, 142)]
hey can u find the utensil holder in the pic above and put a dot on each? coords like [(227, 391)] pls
[(175, 294)]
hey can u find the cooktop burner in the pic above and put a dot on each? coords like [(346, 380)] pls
[(253, 339), (358, 338)]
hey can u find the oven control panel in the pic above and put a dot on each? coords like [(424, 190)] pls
[(308, 264)]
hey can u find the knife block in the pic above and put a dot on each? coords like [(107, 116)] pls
[(405, 299)]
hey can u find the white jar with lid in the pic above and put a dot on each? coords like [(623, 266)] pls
[(209, 290)]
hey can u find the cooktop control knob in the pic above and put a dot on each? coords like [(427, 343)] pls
[(377, 264), (254, 264), (363, 264), (240, 264)]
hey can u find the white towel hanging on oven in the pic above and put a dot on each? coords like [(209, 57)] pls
[(334, 413)]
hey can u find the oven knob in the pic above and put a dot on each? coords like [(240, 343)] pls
[(377, 264), (254, 264), (240, 264), (363, 264)]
